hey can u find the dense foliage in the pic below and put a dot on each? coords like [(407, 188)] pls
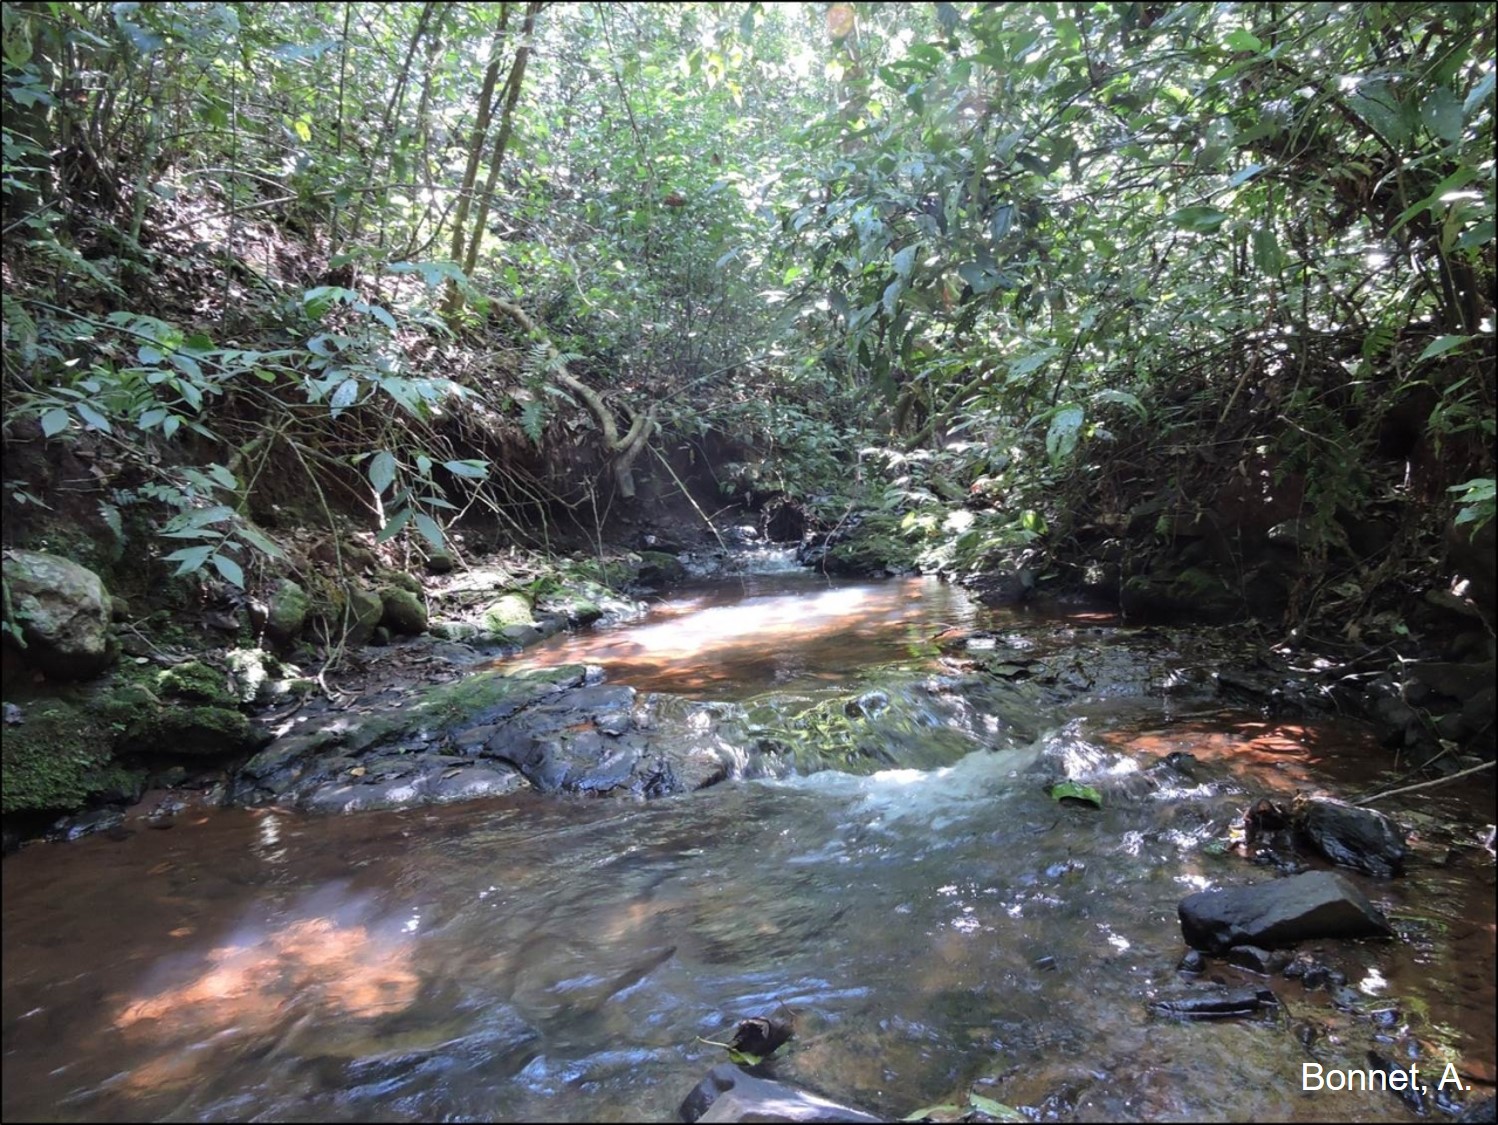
[(1018, 274)]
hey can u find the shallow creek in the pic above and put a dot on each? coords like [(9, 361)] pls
[(935, 931)]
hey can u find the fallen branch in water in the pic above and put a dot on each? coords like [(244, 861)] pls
[(1423, 784)]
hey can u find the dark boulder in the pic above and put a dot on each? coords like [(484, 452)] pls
[(1280, 913), (1362, 839), (731, 1094)]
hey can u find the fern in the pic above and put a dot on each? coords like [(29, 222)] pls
[(533, 418)]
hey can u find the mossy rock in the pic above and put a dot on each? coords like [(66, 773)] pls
[(287, 612), (402, 580), (403, 611), (509, 609), (196, 731), (354, 613), (657, 566), (196, 681), (61, 753)]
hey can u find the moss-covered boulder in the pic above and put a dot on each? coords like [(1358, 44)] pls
[(365, 608), (506, 611), (196, 681), (403, 611), (62, 612), (199, 732), (286, 612), (657, 566), (61, 752)]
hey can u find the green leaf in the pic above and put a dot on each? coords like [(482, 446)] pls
[(394, 525), (92, 417), (1441, 113), (1124, 398), (383, 316), (904, 261), (202, 517), (381, 471), (1244, 174), (1441, 345), (997, 1110), (1242, 39), (1076, 791), (223, 477), (949, 1109), (189, 559), (1202, 219), (430, 531), (261, 542), (230, 570), (345, 396), (54, 422), (1066, 428), (477, 470)]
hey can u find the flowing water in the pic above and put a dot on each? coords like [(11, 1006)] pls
[(934, 931)]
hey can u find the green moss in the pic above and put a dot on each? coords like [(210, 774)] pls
[(199, 731), (510, 609), (196, 681), (62, 752)]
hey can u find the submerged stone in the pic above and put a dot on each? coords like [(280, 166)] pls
[(728, 1093)]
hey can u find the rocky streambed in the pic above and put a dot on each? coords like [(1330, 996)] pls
[(976, 859)]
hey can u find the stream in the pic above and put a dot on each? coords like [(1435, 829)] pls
[(934, 931)]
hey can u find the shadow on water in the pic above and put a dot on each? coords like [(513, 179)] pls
[(935, 930)]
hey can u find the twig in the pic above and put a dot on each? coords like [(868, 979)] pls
[(1424, 784)]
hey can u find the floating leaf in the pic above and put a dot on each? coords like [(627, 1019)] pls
[(1077, 792), (997, 1110)]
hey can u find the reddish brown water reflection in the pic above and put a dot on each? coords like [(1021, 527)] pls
[(784, 630)]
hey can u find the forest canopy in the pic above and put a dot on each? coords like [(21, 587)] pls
[(1019, 276)]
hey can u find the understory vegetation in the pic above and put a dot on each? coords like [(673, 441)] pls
[(1061, 290)]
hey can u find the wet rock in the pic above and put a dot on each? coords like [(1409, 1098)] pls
[(659, 567), (397, 788), (1362, 839), (403, 612), (1256, 960), (63, 612), (728, 1093), (1217, 1005), (1192, 961), (286, 612), (1478, 1111), (86, 824), (1280, 913)]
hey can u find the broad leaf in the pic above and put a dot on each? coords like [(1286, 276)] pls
[(381, 471)]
